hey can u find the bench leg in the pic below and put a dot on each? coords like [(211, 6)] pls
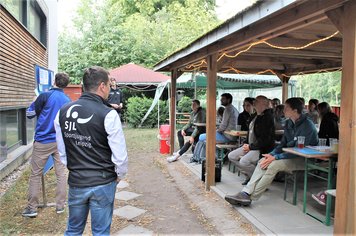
[(295, 189)]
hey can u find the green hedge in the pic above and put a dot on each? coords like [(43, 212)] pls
[(185, 104), (137, 108)]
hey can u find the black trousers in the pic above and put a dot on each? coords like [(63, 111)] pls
[(185, 146)]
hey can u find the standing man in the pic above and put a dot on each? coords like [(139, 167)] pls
[(278, 160), (116, 97), (229, 121), (45, 108), (91, 144)]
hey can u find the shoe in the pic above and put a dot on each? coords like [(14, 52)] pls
[(246, 181), (29, 213), (320, 197), (59, 210), (172, 158), (241, 198)]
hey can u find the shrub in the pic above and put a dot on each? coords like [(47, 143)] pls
[(137, 107), (184, 105)]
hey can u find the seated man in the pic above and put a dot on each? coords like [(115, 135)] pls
[(260, 139), (197, 116), (229, 121), (277, 160)]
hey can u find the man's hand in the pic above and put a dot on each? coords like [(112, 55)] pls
[(191, 140), (268, 158), (114, 105), (183, 133), (246, 148)]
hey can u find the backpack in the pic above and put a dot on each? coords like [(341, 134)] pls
[(199, 152)]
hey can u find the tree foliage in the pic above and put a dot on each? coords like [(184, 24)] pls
[(326, 87), (116, 32)]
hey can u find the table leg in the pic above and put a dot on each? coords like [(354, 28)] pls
[(328, 196), (305, 186)]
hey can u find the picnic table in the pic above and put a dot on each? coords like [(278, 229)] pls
[(311, 154)]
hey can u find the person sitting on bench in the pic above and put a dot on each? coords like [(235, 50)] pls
[(277, 160), (260, 139), (229, 121), (197, 116)]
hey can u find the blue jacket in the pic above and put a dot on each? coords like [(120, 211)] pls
[(45, 108), (302, 127)]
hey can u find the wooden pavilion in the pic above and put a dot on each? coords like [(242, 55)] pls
[(284, 38)]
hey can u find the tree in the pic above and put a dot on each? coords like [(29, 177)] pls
[(322, 86), (118, 32)]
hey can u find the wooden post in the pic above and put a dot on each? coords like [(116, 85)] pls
[(172, 111), (345, 190), (211, 121), (284, 80)]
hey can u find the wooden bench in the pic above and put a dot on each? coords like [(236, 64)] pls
[(292, 177), (223, 147)]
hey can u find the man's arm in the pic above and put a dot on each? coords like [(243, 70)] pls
[(225, 120), (59, 138), (117, 143)]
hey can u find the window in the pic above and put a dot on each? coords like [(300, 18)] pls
[(30, 14), (36, 22), (10, 132), (14, 7)]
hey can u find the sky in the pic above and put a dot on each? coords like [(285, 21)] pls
[(225, 9)]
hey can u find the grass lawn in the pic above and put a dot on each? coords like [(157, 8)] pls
[(138, 141)]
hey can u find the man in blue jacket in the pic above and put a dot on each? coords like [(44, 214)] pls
[(45, 108), (277, 160)]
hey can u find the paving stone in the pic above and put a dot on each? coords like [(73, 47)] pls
[(122, 184), (128, 212), (134, 230), (125, 195)]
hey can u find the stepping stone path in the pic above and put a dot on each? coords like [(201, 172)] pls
[(129, 212), (134, 230)]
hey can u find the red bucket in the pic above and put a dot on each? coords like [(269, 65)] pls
[(164, 136)]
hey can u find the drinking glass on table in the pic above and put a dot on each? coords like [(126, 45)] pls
[(301, 140), (334, 144), (322, 143), (238, 127)]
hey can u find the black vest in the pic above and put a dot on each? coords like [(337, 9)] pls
[(86, 143)]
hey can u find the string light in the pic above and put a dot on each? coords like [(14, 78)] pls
[(199, 64)]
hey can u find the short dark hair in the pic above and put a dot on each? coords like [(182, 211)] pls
[(93, 77), (277, 101), (249, 100), (227, 96), (221, 111), (296, 104), (61, 80), (196, 101), (314, 101)]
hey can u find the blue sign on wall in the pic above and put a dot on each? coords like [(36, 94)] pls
[(43, 79)]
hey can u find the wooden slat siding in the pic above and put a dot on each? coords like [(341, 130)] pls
[(20, 51)]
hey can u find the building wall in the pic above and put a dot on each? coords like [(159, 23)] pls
[(20, 51), (24, 42)]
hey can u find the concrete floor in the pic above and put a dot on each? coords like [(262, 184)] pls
[(271, 214)]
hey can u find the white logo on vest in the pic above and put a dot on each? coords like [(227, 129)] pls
[(80, 140)]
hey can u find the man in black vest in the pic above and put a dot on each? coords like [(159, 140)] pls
[(92, 146), (116, 97)]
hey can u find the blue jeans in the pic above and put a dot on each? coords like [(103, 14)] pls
[(219, 138), (99, 200)]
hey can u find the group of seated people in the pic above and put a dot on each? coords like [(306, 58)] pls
[(259, 158)]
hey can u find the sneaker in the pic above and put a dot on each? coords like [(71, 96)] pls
[(172, 158), (246, 181), (241, 198), (59, 210), (320, 197), (29, 213)]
